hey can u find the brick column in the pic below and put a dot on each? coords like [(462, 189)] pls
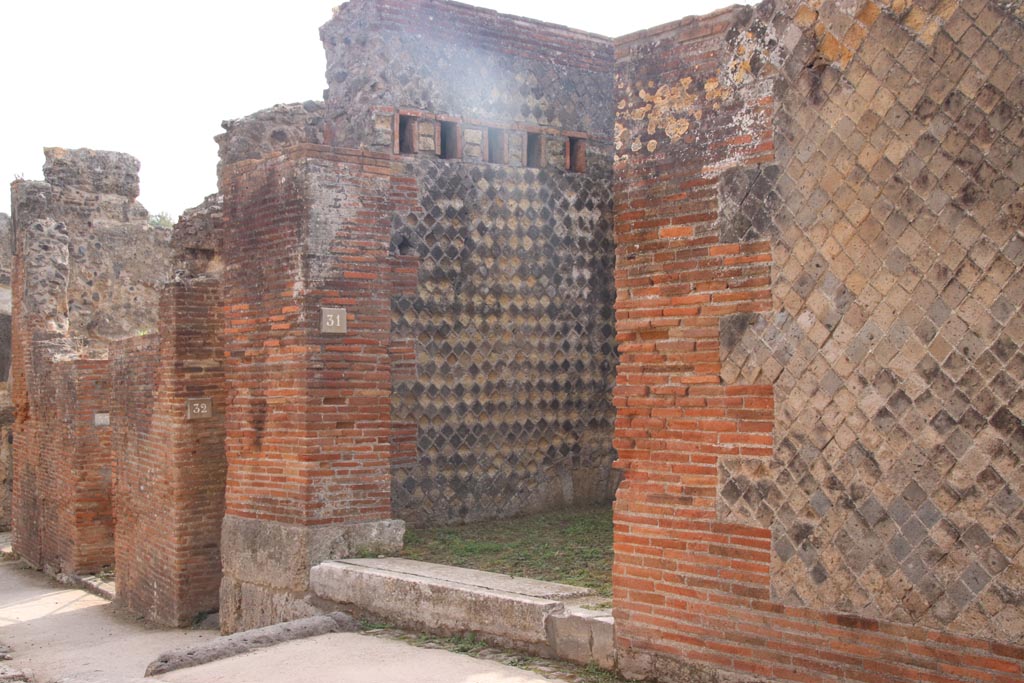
[(308, 421), (170, 464)]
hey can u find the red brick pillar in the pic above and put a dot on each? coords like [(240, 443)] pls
[(168, 422), (679, 283), (308, 417)]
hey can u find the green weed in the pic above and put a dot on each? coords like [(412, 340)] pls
[(572, 546)]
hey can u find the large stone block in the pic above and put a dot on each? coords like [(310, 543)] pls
[(441, 599), (267, 564), (584, 636)]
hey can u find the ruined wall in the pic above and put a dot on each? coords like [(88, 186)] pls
[(818, 213), (168, 437), (86, 265), (6, 409), (460, 61), (67, 479), (503, 343), (265, 132)]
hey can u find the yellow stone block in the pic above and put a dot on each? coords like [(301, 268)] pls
[(868, 13), (916, 19), (805, 16), (854, 37), (830, 48)]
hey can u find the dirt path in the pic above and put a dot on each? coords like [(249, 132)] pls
[(59, 632), (65, 634), (352, 658)]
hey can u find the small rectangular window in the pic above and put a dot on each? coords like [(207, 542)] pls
[(533, 150), (406, 135), (449, 140), (577, 155), (496, 145)]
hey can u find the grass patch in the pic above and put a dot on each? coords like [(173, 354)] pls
[(571, 546), (471, 645)]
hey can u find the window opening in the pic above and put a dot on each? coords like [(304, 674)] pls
[(533, 150), (406, 135), (496, 145), (577, 155), (449, 140)]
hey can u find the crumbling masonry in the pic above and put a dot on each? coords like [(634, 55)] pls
[(6, 409), (85, 270), (757, 275)]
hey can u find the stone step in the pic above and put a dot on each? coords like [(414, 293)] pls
[(542, 617)]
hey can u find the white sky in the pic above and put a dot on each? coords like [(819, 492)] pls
[(155, 78)]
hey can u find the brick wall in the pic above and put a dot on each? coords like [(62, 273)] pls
[(269, 337), (6, 409), (67, 485), (819, 276), (143, 537)]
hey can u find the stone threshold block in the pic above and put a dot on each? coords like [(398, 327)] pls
[(541, 617)]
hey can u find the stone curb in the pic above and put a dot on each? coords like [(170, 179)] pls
[(540, 617), (247, 641), (89, 584)]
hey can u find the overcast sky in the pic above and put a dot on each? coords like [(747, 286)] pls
[(155, 79)]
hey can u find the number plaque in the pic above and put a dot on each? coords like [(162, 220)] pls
[(198, 408), (333, 320), (101, 419)]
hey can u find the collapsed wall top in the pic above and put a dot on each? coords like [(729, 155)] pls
[(90, 170), (460, 62)]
